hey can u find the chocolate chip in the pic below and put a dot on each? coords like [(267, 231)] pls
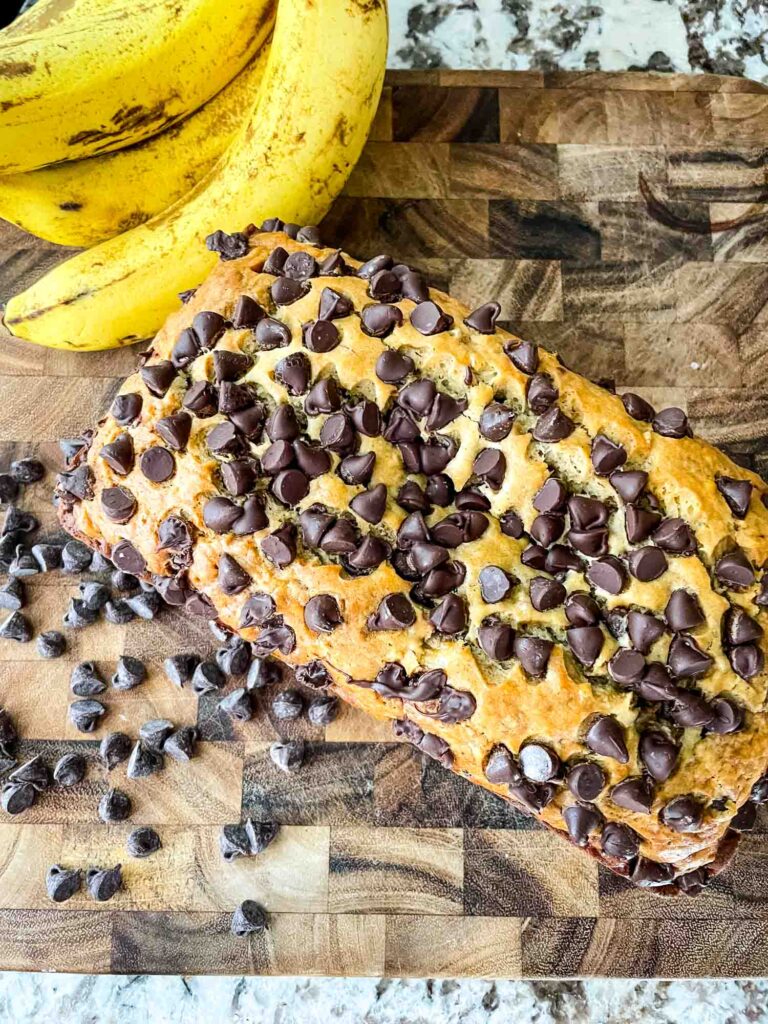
[(533, 654), (737, 494), (280, 547), (728, 715), (496, 421), (323, 397), (157, 464), (437, 452), (369, 554), (585, 513), (629, 484), (496, 639), (394, 612), (238, 398), (322, 614), (126, 557), (300, 266), (314, 522), (232, 577), (126, 408), (553, 426), (288, 705), (581, 820), (69, 770), (357, 469), (690, 710), (288, 756), (541, 393), (384, 285), (337, 433), (511, 525), (675, 536), (439, 489), (175, 429), (740, 628), (118, 454), (501, 768), (286, 290), (734, 570), (586, 642), (658, 754), (607, 574), (686, 658), (491, 465), (75, 556), (370, 505), (84, 714), (248, 919), (619, 841), (321, 336), (639, 523), (379, 320), (523, 355), (534, 556), (538, 762), (333, 305), (129, 674), (118, 504), (546, 594), (12, 594), (637, 407), (605, 736), (294, 373), (495, 584), (158, 377), (445, 410), (450, 616), (393, 366), (180, 745), (374, 265), (586, 780), (682, 814), (428, 318), (591, 542), (483, 319), (607, 455), (186, 349), (626, 667), (671, 422), (229, 247), (51, 644), (747, 661), (647, 563), (683, 611), (401, 427), (278, 456)]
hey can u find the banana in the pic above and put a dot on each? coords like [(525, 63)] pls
[(82, 202), (117, 73), (50, 14), (291, 158)]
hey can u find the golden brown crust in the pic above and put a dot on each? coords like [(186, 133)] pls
[(511, 707)]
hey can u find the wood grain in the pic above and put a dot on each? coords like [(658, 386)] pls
[(619, 218)]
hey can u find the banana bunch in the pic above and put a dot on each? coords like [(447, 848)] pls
[(185, 155)]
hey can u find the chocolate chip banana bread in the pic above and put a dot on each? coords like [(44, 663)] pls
[(553, 590)]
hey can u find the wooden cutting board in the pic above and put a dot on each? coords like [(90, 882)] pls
[(618, 218)]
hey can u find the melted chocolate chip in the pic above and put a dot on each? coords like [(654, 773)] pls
[(581, 820), (379, 319), (337, 433), (619, 841), (157, 464), (683, 611), (586, 780), (658, 754), (126, 408), (445, 410), (747, 661), (294, 373), (639, 523), (333, 305), (230, 366), (280, 547), (675, 536), (511, 525), (605, 736), (582, 610), (357, 469), (686, 658), (740, 628), (728, 715), (637, 407), (633, 794), (629, 484), (450, 617), (737, 494), (682, 814), (321, 336), (490, 465), (370, 505), (553, 426), (239, 476), (393, 367), (483, 319), (496, 639), (126, 557), (186, 349), (118, 503), (158, 377), (384, 286), (501, 768), (734, 570), (175, 429), (271, 334), (202, 399), (394, 612), (607, 574), (586, 642), (546, 594), (523, 355), (247, 313), (322, 614), (626, 667), (533, 654), (496, 421), (607, 455), (118, 454), (541, 393), (286, 290), (428, 318), (671, 422)]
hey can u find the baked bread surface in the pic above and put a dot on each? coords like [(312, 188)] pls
[(499, 674)]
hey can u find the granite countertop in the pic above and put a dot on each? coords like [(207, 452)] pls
[(721, 36)]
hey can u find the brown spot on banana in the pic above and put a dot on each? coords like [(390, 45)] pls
[(16, 68)]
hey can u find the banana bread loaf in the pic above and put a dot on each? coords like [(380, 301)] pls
[(550, 589)]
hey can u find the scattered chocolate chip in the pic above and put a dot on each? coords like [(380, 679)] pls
[(142, 842), (496, 421), (143, 762), (229, 247), (69, 770), (737, 494), (541, 393), (428, 318), (288, 756), (248, 919), (533, 654), (483, 319), (626, 667), (84, 714), (280, 547), (357, 469), (450, 616), (393, 366), (271, 334), (495, 584), (103, 883), (734, 570), (675, 536), (158, 377), (511, 525), (586, 780), (180, 745), (747, 660), (619, 841), (61, 884), (322, 613), (51, 644), (582, 610), (286, 290), (16, 627), (130, 673), (690, 710), (114, 806), (294, 372), (607, 455), (639, 523), (546, 594), (538, 762)]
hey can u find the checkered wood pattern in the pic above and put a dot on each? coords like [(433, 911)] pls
[(619, 219)]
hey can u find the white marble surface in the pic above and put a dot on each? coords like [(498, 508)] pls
[(725, 36), (75, 999)]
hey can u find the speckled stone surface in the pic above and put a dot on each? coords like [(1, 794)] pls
[(721, 36), (75, 999), (728, 37)]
